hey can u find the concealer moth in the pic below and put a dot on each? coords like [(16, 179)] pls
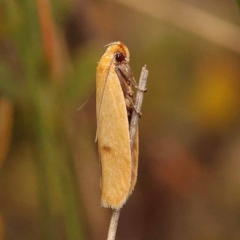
[(114, 106)]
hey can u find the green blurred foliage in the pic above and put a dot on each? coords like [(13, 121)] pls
[(238, 2)]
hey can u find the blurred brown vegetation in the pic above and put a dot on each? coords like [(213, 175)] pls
[(189, 174)]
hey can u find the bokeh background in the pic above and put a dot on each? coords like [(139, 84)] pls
[(189, 171)]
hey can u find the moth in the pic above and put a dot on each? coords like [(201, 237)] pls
[(114, 106)]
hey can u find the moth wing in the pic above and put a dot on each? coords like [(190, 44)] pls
[(124, 72), (113, 138), (135, 153)]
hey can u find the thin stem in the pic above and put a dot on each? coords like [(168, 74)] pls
[(133, 128), (113, 224), (138, 104)]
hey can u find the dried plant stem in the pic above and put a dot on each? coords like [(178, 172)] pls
[(113, 224), (138, 104), (133, 128)]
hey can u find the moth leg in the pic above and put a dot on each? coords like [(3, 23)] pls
[(139, 113), (126, 71), (130, 93), (131, 107), (136, 86)]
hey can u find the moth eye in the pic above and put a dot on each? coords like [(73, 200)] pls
[(119, 56)]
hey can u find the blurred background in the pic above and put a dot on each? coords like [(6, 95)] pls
[(189, 170)]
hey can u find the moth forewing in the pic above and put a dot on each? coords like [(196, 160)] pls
[(113, 134), (128, 94), (135, 152)]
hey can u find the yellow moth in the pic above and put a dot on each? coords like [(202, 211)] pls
[(114, 105)]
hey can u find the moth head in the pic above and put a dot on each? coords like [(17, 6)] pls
[(119, 51), (120, 57)]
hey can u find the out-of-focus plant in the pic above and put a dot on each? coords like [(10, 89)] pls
[(238, 1), (41, 83)]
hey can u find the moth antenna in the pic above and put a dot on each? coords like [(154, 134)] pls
[(86, 100), (101, 100), (113, 43)]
